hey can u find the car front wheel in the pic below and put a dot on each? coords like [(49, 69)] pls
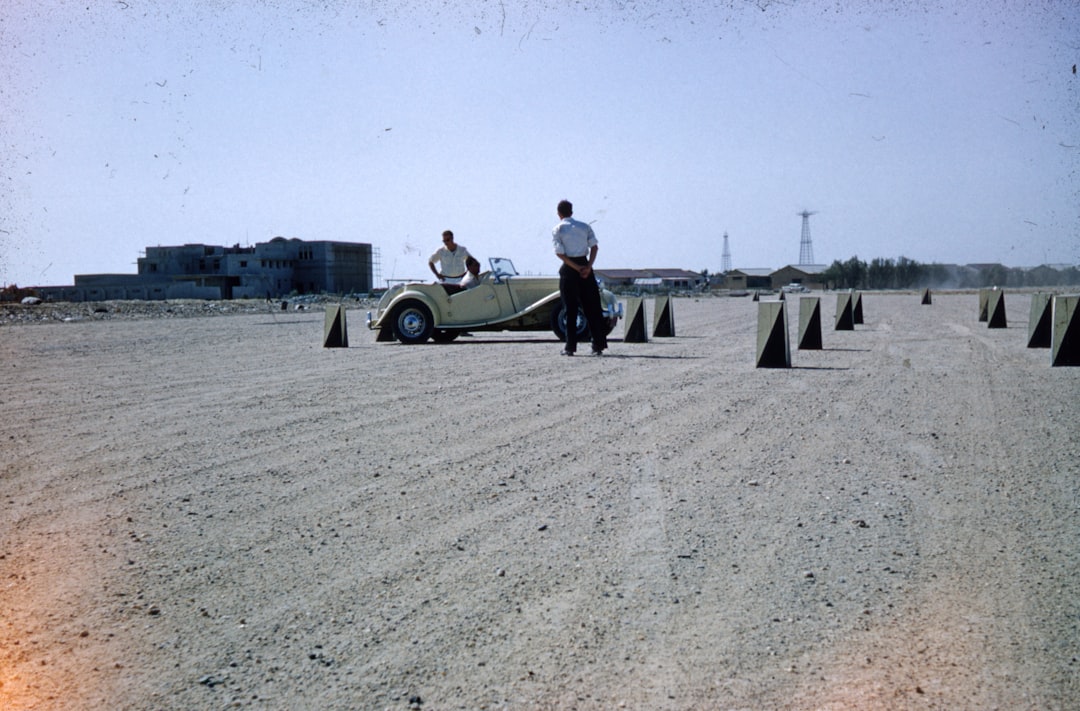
[(412, 322)]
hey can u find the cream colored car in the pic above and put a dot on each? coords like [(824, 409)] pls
[(502, 301)]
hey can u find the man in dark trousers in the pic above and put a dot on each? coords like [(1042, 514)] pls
[(575, 244)]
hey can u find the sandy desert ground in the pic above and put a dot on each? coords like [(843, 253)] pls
[(210, 513)]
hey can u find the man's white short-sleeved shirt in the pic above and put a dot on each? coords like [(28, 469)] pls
[(573, 238), (451, 263)]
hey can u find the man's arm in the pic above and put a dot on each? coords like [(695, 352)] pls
[(437, 257), (567, 261), (583, 269), (587, 270)]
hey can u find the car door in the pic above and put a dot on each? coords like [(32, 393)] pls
[(480, 303)]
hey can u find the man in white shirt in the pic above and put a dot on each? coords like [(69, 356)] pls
[(576, 246), (451, 258)]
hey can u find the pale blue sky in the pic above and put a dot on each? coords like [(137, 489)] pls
[(940, 131)]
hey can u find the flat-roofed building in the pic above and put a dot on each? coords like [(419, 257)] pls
[(271, 269)]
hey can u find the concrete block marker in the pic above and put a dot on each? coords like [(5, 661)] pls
[(782, 298), (845, 318), (335, 335), (856, 307), (1065, 330), (810, 323), (1039, 321), (757, 296), (926, 296), (995, 315), (385, 335), (773, 350), (634, 325), (663, 318), (984, 302)]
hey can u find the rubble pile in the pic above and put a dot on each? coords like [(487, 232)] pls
[(66, 311)]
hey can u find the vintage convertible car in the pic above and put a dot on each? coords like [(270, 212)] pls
[(502, 301)]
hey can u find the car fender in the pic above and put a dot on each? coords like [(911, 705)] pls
[(383, 317), (546, 301), (608, 302), (611, 305)]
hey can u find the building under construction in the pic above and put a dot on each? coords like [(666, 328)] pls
[(270, 270)]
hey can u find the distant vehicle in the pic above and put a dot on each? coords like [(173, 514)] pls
[(503, 301), (796, 288)]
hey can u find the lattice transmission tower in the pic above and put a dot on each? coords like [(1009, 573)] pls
[(806, 248), (725, 257)]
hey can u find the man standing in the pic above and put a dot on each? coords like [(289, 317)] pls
[(451, 258), (575, 244)]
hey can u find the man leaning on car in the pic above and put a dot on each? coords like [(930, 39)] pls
[(451, 258)]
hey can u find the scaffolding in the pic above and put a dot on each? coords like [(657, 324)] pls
[(376, 267)]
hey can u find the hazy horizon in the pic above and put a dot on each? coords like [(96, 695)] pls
[(615, 267)]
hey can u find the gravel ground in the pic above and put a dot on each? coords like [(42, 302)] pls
[(217, 512)]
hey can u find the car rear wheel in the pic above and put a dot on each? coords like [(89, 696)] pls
[(412, 322), (558, 324)]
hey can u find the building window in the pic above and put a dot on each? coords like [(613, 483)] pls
[(243, 264)]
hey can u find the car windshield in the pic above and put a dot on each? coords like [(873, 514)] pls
[(502, 267)]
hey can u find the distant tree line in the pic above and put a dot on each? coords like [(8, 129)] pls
[(904, 273)]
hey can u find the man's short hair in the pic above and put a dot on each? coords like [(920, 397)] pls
[(565, 208), (448, 233)]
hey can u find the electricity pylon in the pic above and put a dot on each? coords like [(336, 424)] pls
[(806, 248)]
